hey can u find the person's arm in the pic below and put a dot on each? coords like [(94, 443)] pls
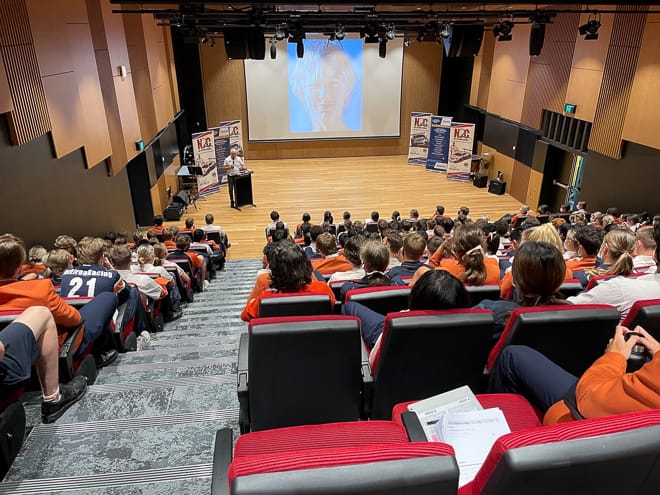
[(420, 271), (606, 389), (251, 309), (604, 293), (64, 315)]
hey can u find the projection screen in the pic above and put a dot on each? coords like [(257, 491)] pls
[(339, 89)]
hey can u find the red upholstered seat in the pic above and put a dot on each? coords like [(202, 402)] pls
[(572, 336), (325, 436), (295, 303), (596, 458), (333, 457), (519, 413)]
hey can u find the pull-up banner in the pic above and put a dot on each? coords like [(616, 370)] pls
[(231, 136), (418, 148), (438, 156), (205, 158), (460, 151)]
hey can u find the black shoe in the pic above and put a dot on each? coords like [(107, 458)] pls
[(70, 393), (106, 358)]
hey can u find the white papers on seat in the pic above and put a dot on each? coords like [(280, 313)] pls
[(429, 411), (471, 434)]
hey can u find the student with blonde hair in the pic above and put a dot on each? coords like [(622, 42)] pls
[(57, 262), (616, 254)]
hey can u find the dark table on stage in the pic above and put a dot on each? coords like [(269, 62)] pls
[(243, 190)]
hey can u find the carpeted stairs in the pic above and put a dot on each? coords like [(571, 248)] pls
[(147, 425)]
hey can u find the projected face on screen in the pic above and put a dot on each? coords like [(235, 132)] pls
[(325, 86)]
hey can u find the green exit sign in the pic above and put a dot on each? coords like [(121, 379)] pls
[(569, 108)]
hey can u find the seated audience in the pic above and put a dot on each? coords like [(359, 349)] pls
[(570, 245), (18, 295), (198, 262), (306, 222), (158, 225), (290, 272), (312, 251), (538, 271), (34, 268), (57, 261), (352, 255), (394, 242), (523, 212), (67, 243), (120, 257), (331, 261), (275, 218), (414, 216), (168, 235), (622, 292), (210, 227), (411, 252), (94, 274), (375, 257), (188, 226), (469, 263), (644, 262), (616, 255), (375, 216), (160, 261), (588, 240), (436, 289), (605, 389), (31, 341), (328, 224)]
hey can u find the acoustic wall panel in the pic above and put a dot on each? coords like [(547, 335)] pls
[(6, 104), (618, 76), (549, 72)]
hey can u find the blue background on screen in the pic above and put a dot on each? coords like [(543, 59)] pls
[(352, 116)]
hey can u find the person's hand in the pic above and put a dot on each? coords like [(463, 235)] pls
[(652, 345), (2, 351), (618, 342)]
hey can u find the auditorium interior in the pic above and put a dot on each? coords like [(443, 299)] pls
[(99, 99)]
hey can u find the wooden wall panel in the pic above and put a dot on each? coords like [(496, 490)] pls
[(643, 118), (509, 75), (6, 104), (29, 117), (534, 189), (95, 133), (619, 73), (481, 73), (549, 72), (587, 69), (519, 181), (64, 48), (224, 96), (500, 163)]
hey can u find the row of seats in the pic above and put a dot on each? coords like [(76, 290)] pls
[(615, 455)]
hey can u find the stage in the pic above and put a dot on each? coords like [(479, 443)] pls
[(359, 185)]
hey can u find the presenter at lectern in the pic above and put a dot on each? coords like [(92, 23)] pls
[(234, 166)]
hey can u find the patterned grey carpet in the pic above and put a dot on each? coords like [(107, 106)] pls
[(147, 426)]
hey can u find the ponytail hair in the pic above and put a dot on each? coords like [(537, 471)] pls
[(620, 244), (160, 253), (145, 255), (469, 244)]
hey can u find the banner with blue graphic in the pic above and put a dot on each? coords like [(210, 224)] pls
[(460, 151), (438, 156)]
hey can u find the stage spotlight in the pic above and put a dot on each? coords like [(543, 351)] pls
[(273, 49), (502, 31), (382, 48), (300, 48), (280, 34), (590, 29), (445, 32), (370, 33), (205, 40), (390, 31), (339, 33)]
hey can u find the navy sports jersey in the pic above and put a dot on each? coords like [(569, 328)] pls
[(89, 281)]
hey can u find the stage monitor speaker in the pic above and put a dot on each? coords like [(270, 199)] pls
[(182, 198), (480, 180), (497, 186), (236, 43), (463, 41), (536, 38)]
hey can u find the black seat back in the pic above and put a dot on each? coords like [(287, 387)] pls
[(572, 336), (479, 293), (424, 353), (305, 371), (299, 304), (382, 300), (645, 314)]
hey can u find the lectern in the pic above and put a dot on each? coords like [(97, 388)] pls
[(243, 189)]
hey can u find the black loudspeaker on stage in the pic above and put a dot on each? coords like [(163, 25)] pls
[(463, 41), (480, 180), (242, 43), (536, 38), (497, 186)]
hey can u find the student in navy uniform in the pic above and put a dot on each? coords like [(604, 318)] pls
[(412, 250), (95, 275)]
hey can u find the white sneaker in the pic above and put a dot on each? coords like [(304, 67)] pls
[(205, 284), (146, 336)]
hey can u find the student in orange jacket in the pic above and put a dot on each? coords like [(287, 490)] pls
[(290, 271), (18, 295), (604, 389)]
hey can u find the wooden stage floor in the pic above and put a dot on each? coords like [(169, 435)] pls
[(359, 185)]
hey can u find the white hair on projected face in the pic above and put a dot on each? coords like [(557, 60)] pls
[(323, 80)]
